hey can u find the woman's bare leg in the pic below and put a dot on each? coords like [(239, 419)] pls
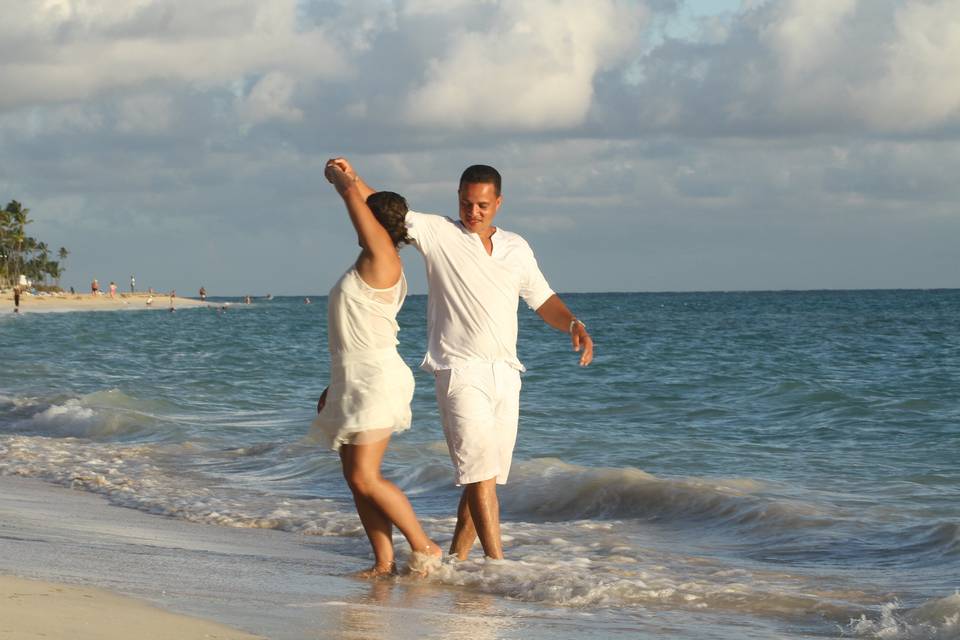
[(377, 526), (381, 502)]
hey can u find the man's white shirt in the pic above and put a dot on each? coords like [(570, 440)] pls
[(473, 297)]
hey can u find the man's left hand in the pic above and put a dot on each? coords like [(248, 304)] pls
[(583, 343)]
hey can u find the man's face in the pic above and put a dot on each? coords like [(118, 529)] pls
[(479, 203)]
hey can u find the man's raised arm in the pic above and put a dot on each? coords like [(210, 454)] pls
[(556, 314)]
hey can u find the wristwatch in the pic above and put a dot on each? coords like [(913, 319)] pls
[(573, 323)]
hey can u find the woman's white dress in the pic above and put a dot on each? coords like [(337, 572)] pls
[(370, 385)]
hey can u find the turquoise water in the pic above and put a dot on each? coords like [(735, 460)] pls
[(732, 465)]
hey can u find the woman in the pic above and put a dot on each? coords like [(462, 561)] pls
[(370, 385)]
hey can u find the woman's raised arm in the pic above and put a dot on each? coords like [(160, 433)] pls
[(379, 262)]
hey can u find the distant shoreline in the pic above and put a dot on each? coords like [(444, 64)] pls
[(54, 303)]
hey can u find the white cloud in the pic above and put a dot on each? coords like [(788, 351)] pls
[(812, 66), (533, 68), (59, 51), (764, 137), (807, 35), (921, 85), (269, 99), (147, 114), (53, 121)]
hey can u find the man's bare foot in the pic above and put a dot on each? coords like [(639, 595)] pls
[(425, 561), (377, 571)]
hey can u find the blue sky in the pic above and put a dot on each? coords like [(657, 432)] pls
[(645, 146)]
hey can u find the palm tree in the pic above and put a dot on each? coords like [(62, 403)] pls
[(18, 223), (62, 264), (6, 243), (21, 254)]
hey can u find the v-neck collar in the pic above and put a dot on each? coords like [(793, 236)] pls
[(493, 245)]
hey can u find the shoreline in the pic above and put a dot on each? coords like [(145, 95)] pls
[(264, 582), (61, 303), (116, 559)]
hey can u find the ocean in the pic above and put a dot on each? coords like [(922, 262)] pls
[(732, 465)]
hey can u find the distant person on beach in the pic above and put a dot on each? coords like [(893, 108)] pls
[(368, 399), (16, 299), (72, 292), (203, 294), (149, 299), (133, 284), (94, 287), (113, 289), (476, 274)]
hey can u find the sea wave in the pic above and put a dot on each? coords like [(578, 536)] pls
[(133, 476), (929, 542), (585, 563), (551, 489), (101, 415), (937, 619)]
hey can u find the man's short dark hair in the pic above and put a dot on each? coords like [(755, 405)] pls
[(481, 174)]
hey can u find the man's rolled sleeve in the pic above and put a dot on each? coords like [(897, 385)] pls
[(534, 289)]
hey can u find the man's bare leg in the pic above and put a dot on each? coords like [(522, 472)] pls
[(465, 534), (478, 515)]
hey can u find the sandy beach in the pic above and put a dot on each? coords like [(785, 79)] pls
[(34, 609), (261, 581), (87, 302)]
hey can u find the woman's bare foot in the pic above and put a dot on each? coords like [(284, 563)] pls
[(377, 571), (425, 561)]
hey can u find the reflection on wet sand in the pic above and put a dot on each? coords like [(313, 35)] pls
[(383, 613)]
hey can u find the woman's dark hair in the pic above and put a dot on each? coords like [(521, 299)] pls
[(390, 209)]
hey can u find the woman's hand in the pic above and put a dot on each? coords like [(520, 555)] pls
[(341, 180), (337, 166)]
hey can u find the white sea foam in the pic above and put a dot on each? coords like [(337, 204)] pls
[(657, 582), (583, 564), (100, 415), (130, 476), (934, 620)]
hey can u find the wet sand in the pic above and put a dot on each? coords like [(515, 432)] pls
[(265, 582)]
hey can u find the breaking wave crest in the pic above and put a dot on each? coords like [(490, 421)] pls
[(934, 620), (102, 415), (132, 476), (550, 489)]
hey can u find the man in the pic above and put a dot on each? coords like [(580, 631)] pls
[(476, 274)]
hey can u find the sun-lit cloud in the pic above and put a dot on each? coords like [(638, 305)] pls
[(59, 51), (811, 66), (533, 67), (644, 144)]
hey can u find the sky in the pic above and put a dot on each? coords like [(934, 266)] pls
[(658, 145)]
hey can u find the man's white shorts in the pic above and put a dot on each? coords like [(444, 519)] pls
[(479, 406)]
